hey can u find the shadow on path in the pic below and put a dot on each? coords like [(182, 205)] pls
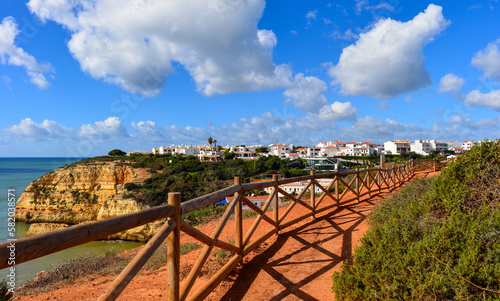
[(299, 257)]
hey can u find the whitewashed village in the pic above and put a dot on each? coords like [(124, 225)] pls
[(328, 149), (321, 157)]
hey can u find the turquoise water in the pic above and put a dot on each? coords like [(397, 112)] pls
[(15, 175)]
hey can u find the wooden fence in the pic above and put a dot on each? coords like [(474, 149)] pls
[(343, 187)]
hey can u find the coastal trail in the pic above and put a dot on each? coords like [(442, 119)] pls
[(295, 265)]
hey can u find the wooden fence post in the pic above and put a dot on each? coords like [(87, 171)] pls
[(174, 249), (238, 220), (276, 203), (313, 192), (337, 185), (357, 183), (368, 183), (434, 164)]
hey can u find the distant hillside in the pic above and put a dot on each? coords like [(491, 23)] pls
[(102, 187), (436, 239)]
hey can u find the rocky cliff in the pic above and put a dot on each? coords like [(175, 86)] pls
[(83, 192)]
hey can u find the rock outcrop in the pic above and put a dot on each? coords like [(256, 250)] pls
[(79, 193)]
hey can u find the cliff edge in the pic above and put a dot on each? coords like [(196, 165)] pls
[(83, 192)]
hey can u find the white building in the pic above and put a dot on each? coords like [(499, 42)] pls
[(453, 144), (329, 151), (292, 156), (302, 152), (280, 150), (438, 145), (421, 147), (457, 150), (397, 147), (338, 144), (243, 152), (467, 145), (186, 150), (313, 152), (210, 155)]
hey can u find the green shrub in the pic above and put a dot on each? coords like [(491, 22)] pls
[(4, 291), (435, 239)]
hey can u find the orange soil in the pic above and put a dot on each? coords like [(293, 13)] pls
[(297, 264)]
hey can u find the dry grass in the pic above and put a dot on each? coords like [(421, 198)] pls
[(75, 269)]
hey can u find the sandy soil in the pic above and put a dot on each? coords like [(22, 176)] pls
[(297, 264)]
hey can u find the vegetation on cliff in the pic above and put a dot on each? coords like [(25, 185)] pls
[(436, 239), (193, 178)]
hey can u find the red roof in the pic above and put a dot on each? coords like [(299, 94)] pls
[(279, 145), (295, 154)]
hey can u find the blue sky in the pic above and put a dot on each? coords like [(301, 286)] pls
[(79, 78)]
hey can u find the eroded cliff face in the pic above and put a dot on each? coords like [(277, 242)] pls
[(80, 193)]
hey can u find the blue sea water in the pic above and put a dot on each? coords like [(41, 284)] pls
[(15, 175)]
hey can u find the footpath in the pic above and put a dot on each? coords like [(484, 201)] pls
[(295, 265)]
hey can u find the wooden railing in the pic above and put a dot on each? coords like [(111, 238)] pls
[(342, 188)]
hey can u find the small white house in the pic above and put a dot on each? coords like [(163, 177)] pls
[(292, 156), (210, 155), (280, 150), (329, 151), (467, 145), (397, 147), (421, 147), (313, 152), (187, 151)]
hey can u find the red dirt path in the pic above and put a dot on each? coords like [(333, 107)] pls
[(295, 265)]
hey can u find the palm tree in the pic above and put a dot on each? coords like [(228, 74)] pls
[(210, 141), (215, 142)]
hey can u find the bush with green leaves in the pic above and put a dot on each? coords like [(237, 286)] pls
[(116, 153), (435, 239)]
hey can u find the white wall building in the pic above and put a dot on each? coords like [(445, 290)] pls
[(313, 152), (292, 156), (467, 145), (280, 150), (302, 152), (329, 151), (438, 145), (186, 150), (453, 144), (210, 155), (421, 147), (397, 147)]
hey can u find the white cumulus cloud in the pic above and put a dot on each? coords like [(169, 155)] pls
[(488, 60), (306, 93), (134, 43), (490, 100), (27, 128), (102, 130), (10, 54), (388, 59), (450, 83), (337, 111)]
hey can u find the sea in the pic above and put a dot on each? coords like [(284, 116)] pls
[(15, 176)]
